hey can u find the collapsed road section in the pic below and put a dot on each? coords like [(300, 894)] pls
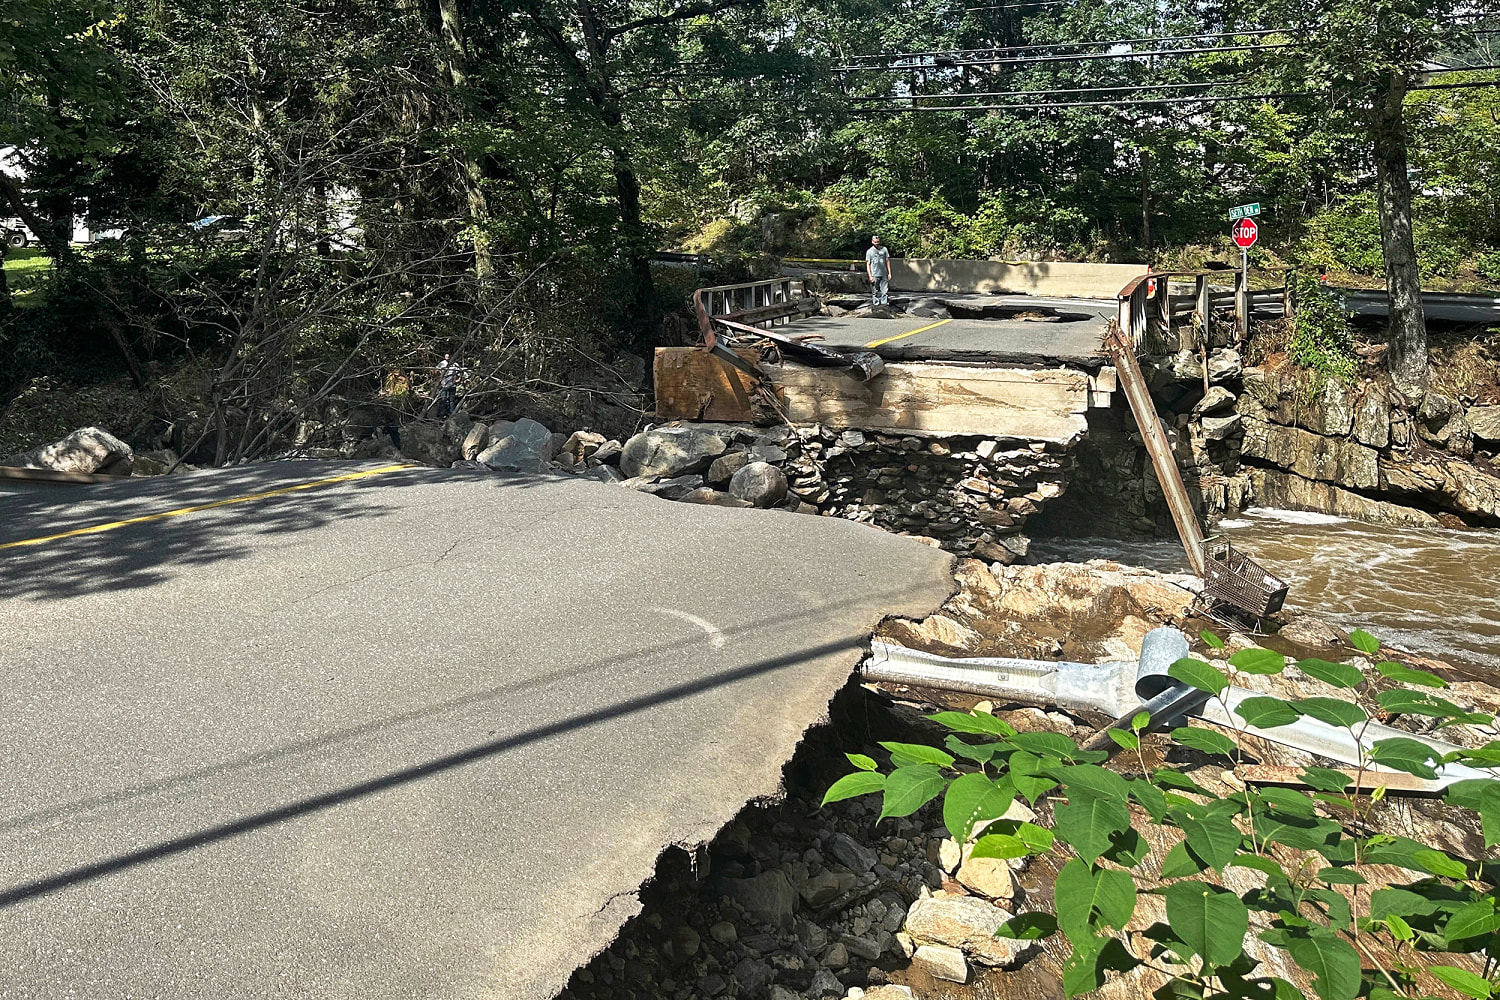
[(322, 730)]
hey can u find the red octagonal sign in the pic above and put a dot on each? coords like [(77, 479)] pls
[(1245, 233)]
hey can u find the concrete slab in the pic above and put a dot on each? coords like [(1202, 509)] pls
[(1074, 339), (419, 734)]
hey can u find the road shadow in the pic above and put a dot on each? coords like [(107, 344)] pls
[(157, 548), (30, 889)]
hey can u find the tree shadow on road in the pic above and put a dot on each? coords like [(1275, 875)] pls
[(158, 547)]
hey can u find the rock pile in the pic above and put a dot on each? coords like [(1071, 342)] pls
[(971, 494)]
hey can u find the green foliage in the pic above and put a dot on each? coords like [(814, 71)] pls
[(1322, 337), (1308, 904)]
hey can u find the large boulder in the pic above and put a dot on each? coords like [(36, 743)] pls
[(88, 450), (423, 441), (759, 483), (1312, 456), (526, 447), (670, 451), (965, 923), (476, 441), (1484, 422)]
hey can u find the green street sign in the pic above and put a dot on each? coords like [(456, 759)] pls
[(1244, 211)]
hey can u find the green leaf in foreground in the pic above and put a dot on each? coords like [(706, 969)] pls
[(1209, 920), (1086, 823), (850, 785), (1205, 741), (1364, 642), (1483, 796), (1258, 661), (1196, 673), (1028, 927), (1211, 640), (908, 789), (1439, 863), (1266, 713), (1466, 982), (971, 799), (1331, 711), (1332, 961), (1472, 920), (862, 762), (1086, 897), (906, 754), (1403, 674), (977, 723), (1405, 754), (1338, 674)]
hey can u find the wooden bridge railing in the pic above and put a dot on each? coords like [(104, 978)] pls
[(1161, 320)]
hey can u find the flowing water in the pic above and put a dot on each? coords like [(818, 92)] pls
[(1432, 591)]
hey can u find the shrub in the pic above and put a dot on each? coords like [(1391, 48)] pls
[(1307, 903)]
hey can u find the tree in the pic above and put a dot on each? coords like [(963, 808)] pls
[(1370, 53)]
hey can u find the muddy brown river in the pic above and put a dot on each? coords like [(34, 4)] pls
[(1433, 591)]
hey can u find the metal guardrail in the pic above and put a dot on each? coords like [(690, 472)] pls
[(1151, 312)]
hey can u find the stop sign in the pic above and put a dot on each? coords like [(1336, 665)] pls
[(1245, 233)]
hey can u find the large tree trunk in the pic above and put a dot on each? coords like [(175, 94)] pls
[(473, 170), (5, 303), (57, 246), (1407, 356)]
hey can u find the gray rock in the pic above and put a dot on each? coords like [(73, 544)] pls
[(725, 466), (942, 962), (768, 897), (779, 992), (1217, 400), (1484, 422), (863, 947), (609, 451), (837, 956), (1312, 456), (852, 438), (764, 452), (153, 463), (752, 976), (713, 498), (553, 447), (476, 441), (670, 451), (761, 483), (526, 447), (1225, 363), (825, 984), (422, 441), (723, 932), (1435, 411), (820, 890), (851, 853), (86, 450), (1219, 428), (674, 489), (1332, 413), (1372, 419)]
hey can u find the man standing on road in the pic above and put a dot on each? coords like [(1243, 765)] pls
[(878, 267), (447, 372)]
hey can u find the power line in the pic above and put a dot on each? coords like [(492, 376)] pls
[(1048, 46), (1217, 99), (1074, 57), (1123, 88)]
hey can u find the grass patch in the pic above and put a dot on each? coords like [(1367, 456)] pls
[(25, 271)]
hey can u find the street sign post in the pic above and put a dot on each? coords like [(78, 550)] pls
[(1244, 232), (1244, 211)]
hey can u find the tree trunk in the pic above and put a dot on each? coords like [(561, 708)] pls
[(1407, 356), (473, 170), (5, 303), (58, 247), (1146, 202)]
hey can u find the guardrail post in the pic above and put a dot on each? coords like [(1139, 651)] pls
[(1204, 306)]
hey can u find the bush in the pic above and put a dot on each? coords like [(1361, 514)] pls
[(1307, 861), (1322, 338)]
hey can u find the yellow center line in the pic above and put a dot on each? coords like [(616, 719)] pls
[(112, 525), (912, 333)]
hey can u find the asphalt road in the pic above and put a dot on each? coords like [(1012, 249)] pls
[(416, 734), (1036, 331)]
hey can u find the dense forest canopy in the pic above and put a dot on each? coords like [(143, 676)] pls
[(496, 177)]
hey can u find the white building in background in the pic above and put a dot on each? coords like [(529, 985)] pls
[(11, 164)]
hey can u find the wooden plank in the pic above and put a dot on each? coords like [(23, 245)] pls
[(931, 399), (692, 384)]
